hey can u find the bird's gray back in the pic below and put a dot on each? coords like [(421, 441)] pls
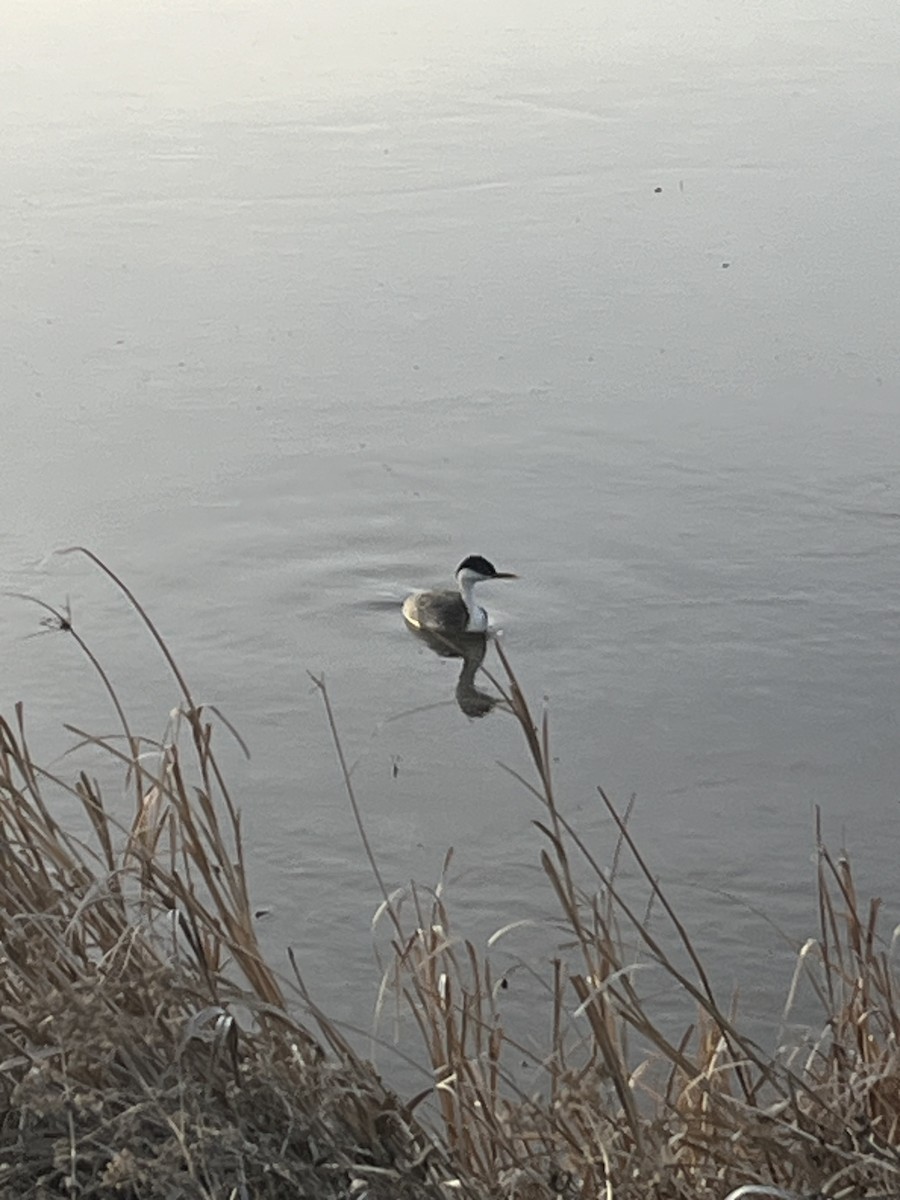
[(442, 610)]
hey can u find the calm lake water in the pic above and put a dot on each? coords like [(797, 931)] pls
[(305, 302)]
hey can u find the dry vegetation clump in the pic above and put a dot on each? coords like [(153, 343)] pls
[(147, 1049), (626, 1110)]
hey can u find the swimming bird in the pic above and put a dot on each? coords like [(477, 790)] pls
[(454, 612)]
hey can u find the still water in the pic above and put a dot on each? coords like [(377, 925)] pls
[(305, 302)]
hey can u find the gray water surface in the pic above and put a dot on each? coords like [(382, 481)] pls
[(304, 303)]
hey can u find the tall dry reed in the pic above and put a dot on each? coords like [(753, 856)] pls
[(626, 1110), (147, 1048)]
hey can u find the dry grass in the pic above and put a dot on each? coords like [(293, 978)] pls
[(147, 1049), (626, 1111)]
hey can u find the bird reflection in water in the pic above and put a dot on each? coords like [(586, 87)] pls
[(471, 648)]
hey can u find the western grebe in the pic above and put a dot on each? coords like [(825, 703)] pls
[(454, 612)]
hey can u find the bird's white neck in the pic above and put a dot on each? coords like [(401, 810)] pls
[(478, 618)]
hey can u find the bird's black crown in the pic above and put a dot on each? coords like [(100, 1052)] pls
[(476, 563)]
